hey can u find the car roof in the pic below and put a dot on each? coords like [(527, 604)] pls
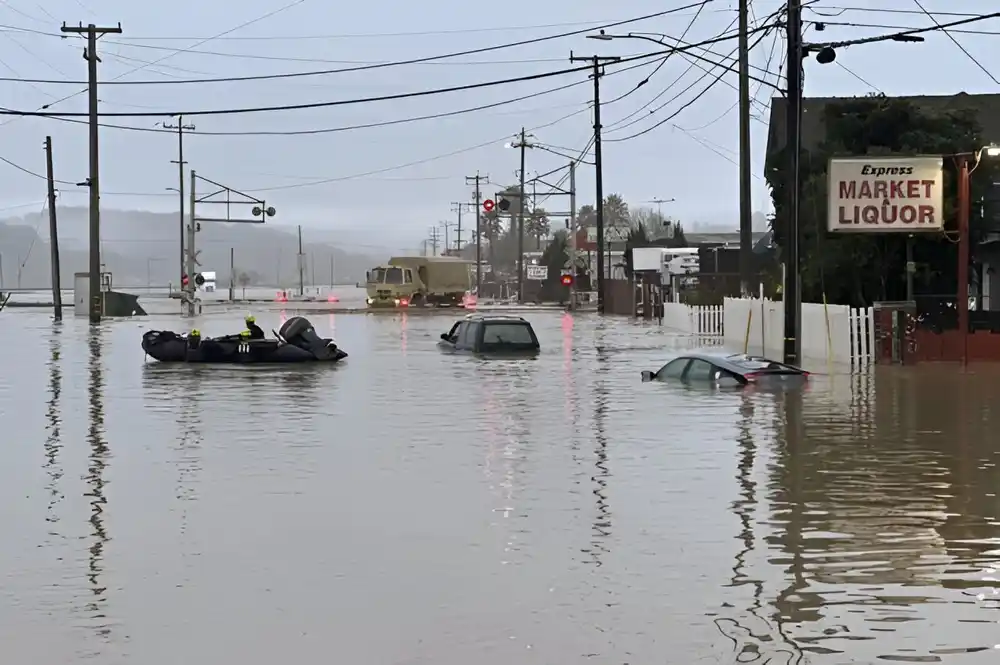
[(498, 318), (737, 362)]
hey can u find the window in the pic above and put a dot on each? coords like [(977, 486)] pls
[(515, 333), (467, 336), (407, 276), (376, 276), (673, 369), (393, 275), (699, 370), (455, 330)]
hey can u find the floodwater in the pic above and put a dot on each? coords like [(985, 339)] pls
[(409, 507)]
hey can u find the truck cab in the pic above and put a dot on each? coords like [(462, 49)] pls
[(392, 286)]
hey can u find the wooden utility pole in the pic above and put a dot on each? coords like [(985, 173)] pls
[(302, 282), (572, 234), (191, 257), (180, 127), (90, 54), (596, 61), (458, 206), (746, 199), (232, 273), (523, 145), (792, 295), (434, 240), (478, 180), (53, 234)]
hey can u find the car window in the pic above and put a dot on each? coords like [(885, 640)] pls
[(508, 333), (467, 337), (700, 370), (453, 333), (673, 369)]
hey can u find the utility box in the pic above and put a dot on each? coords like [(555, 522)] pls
[(81, 294), (895, 332)]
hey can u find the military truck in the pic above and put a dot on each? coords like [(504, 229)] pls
[(419, 281)]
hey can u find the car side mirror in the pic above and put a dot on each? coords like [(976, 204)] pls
[(648, 376), (445, 337)]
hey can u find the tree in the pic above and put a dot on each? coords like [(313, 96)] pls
[(537, 226), (858, 269), (615, 211), (586, 216)]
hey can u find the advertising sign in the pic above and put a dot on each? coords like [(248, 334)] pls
[(885, 195), (537, 272)]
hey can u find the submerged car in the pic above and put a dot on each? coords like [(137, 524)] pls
[(484, 333), (735, 370)]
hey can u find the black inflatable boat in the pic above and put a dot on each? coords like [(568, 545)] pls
[(296, 342)]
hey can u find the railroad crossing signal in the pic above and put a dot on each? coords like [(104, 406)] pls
[(488, 205), (504, 205), (566, 280), (199, 279)]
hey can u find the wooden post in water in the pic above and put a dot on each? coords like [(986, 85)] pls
[(53, 234)]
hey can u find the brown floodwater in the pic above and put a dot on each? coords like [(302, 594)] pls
[(412, 507)]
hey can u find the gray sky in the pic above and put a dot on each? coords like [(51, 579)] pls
[(403, 202)]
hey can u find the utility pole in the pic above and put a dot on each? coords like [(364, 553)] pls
[(332, 282), (192, 253), (792, 296), (53, 234), (478, 180), (746, 200), (458, 206), (301, 257), (523, 145), (572, 234), (232, 273), (90, 54), (180, 127), (445, 225), (434, 240), (596, 62)]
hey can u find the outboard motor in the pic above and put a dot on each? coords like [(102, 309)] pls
[(299, 332)]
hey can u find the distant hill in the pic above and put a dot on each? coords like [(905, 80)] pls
[(143, 247)]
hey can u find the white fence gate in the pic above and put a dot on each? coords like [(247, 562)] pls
[(834, 333)]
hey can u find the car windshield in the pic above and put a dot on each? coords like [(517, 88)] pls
[(386, 276), (512, 332)]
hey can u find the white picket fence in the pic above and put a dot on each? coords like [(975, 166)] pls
[(834, 333)]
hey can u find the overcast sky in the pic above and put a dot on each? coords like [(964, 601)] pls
[(417, 169)]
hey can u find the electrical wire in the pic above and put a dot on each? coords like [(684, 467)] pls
[(883, 26), (665, 58), (840, 10), (346, 102), (718, 77), (345, 128), (957, 43), (382, 65)]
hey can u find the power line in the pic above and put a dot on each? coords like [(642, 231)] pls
[(883, 26), (382, 65), (718, 77), (345, 128), (346, 102), (957, 43)]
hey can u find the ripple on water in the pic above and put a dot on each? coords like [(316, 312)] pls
[(413, 507)]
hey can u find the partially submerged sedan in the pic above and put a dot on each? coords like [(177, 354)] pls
[(484, 333), (734, 371)]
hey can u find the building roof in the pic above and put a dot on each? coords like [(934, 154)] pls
[(717, 239), (987, 108)]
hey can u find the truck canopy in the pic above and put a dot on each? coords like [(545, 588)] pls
[(439, 274)]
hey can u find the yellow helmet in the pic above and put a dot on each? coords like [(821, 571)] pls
[(250, 319), (195, 333), (245, 333)]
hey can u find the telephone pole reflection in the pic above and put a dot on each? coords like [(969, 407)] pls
[(95, 480)]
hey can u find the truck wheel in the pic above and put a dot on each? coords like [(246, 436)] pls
[(417, 300)]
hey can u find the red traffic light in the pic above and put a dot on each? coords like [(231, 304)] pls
[(566, 280), (184, 280), (488, 205)]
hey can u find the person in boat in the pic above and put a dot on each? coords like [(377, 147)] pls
[(255, 331)]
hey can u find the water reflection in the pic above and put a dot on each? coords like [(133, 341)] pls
[(881, 521), (97, 466), (53, 417), (601, 530)]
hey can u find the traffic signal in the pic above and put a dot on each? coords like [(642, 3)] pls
[(199, 279), (504, 205), (567, 280), (184, 280)]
